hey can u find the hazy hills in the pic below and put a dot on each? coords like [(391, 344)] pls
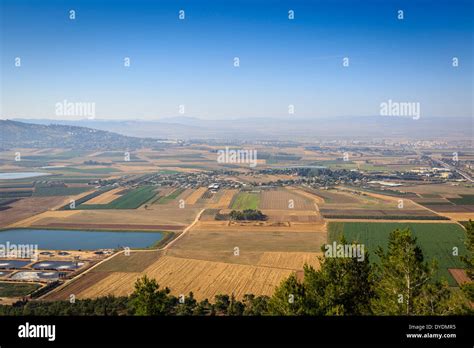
[(20, 134), (290, 128)]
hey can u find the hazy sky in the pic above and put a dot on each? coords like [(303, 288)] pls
[(190, 62)]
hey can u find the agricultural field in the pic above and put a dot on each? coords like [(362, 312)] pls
[(446, 203), (130, 200), (28, 207), (294, 217), (221, 199), (106, 197), (136, 261), (263, 178), (379, 214), (246, 200), (205, 262), (165, 199), (5, 203), (281, 199), (10, 193), (217, 244), (290, 260), (12, 289), (204, 278), (77, 286), (334, 196), (225, 199), (463, 200), (89, 170), (436, 190), (459, 217), (436, 240), (211, 198), (137, 195), (194, 197), (168, 218), (46, 191), (347, 204)]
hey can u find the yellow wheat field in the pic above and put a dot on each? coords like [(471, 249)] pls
[(291, 260), (458, 216), (193, 197), (227, 198), (224, 199), (53, 214), (117, 283), (204, 278), (106, 197)]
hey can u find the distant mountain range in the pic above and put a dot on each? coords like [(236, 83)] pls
[(290, 128), (20, 134)]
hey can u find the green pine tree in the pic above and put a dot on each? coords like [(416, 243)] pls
[(342, 286), (187, 307), (148, 299), (255, 305), (404, 282), (288, 298), (235, 307), (468, 260)]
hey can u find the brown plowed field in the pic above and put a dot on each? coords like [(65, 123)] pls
[(377, 212), (459, 275), (29, 207)]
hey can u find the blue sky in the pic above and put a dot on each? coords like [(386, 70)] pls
[(190, 62)]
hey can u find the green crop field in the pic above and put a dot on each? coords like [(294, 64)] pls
[(436, 240), (8, 289), (245, 200), (464, 200), (172, 196), (130, 200), (17, 185), (15, 194), (54, 157), (44, 191)]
